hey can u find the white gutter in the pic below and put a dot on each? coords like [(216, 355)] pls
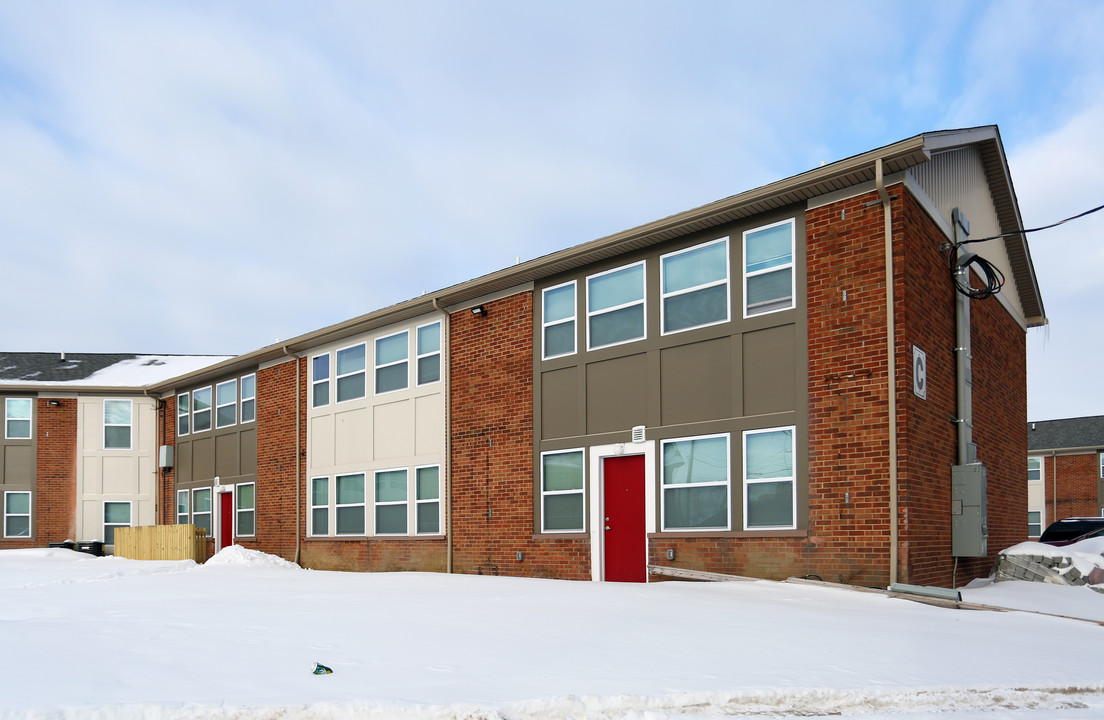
[(891, 367)]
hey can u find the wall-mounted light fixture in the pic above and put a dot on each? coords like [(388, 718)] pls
[(479, 310), (53, 403)]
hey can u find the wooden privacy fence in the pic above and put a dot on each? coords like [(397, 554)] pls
[(162, 542)]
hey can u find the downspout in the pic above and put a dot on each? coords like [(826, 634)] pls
[(891, 367), (298, 490), (446, 361), (158, 474)]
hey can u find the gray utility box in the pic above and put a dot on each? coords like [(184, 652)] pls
[(969, 520)]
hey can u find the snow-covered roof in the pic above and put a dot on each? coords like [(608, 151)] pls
[(97, 369)]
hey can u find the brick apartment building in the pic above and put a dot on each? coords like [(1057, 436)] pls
[(765, 385), (1065, 470)]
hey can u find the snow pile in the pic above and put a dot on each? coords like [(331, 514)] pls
[(239, 556), (1077, 564)]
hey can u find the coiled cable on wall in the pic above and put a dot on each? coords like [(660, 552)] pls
[(960, 275)]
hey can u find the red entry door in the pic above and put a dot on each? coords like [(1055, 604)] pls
[(626, 540), (226, 520)]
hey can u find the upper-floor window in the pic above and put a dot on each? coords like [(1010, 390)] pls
[(201, 409), (769, 479), (696, 487), (117, 415), (249, 398), (226, 403), (694, 286), (17, 418), (320, 380), (391, 362), (183, 413), (429, 353), (615, 306), (769, 268), (558, 320), (350, 373), (1034, 469)]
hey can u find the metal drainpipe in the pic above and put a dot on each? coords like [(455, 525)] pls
[(298, 499), (891, 366), (447, 462), (159, 477)]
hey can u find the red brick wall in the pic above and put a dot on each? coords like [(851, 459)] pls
[(166, 487), (1077, 486), (276, 490), (55, 509), (491, 425)]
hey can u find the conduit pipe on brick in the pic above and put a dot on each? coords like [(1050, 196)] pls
[(891, 367), (446, 463), (298, 526)]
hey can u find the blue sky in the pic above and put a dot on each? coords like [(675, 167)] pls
[(210, 177)]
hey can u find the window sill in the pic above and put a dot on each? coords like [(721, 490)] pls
[(729, 534), (562, 536), (362, 538)]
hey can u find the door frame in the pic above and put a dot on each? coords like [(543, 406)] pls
[(219, 490), (597, 455)]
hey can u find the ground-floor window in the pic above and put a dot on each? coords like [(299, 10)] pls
[(377, 503), (769, 479), (1034, 523), (201, 509), (116, 514), (182, 504), (695, 481), (563, 505), (245, 502), (17, 514)]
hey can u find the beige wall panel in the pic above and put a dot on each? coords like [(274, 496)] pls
[(429, 420), (322, 441), (91, 425), (203, 458), (352, 431), (393, 430), (120, 475), (143, 512), (696, 382), (248, 442), (770, 371), (183, 461), (560, 403), (227, 456), (19, 464), (616, 393), (91, 476), (91, 519)]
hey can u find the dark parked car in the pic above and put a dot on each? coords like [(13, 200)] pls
[(1070, 530)]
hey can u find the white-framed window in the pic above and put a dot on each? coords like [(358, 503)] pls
[(390, 501), (249, 398), (769, 268), (392, 352), (320, 380), (558, 308), (1034, 469), (17, 514), (695, 479), (17, 418), (117, 415), (320, 506), (245, 510), (116, 514), (1034, 523), (182, 507), (350, 507), (226, 404), (427, 492), (615, 306), (183, 414), (694, 287), (1101, 457), (201, 409), (770, 499), (563, 502), (428, 353), (201, 509), (350, 373)]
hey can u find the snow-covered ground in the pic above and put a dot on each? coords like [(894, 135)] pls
[(84, 637)]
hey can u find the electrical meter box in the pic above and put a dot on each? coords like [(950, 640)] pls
[(969, 522)]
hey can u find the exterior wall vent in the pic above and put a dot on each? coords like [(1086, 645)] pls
[(638, 434)]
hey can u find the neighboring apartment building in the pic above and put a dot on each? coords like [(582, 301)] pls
[(1065, 470), (80, 442), (763, 386)]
